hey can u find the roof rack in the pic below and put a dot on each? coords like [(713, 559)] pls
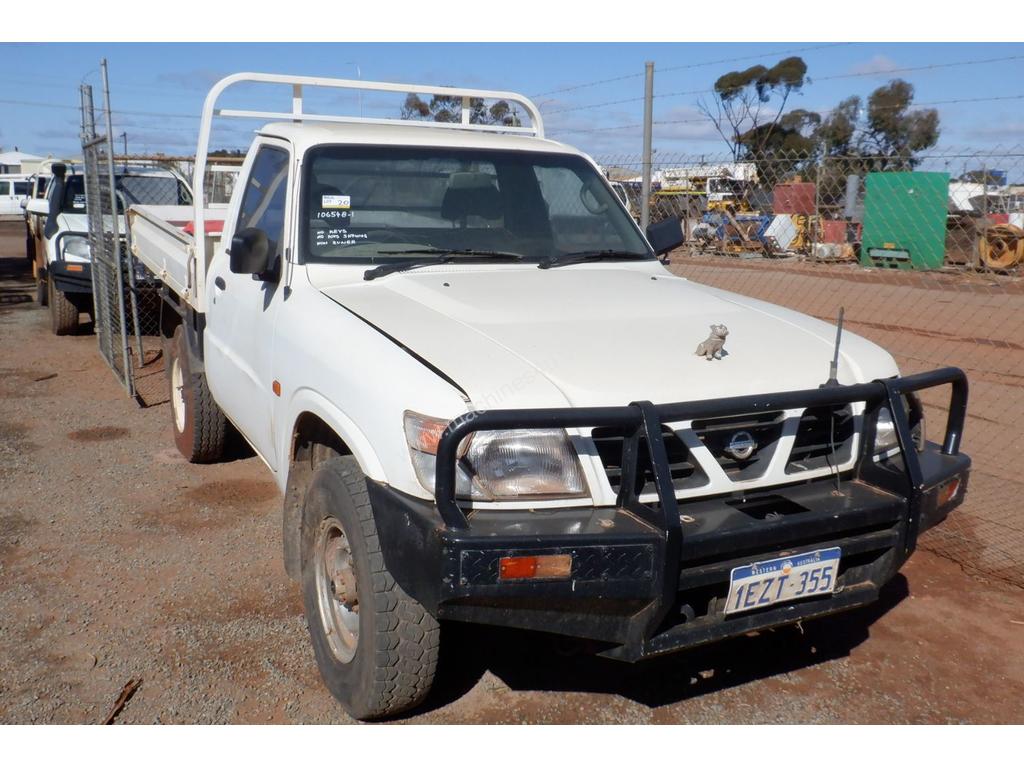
[(297, 82)]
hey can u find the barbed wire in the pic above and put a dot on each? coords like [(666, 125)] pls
[(821, 113), (810, 81), (897, 70), (679, 67), (77, 108)]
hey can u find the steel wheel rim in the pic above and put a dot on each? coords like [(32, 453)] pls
[(178, 395), (336, 590)]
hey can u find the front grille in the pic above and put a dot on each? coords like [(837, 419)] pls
[(824, 439), (717, 434), (685, 472)]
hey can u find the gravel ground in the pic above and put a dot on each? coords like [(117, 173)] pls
[(120, 562)]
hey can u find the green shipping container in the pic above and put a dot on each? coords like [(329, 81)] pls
[(905, 220)]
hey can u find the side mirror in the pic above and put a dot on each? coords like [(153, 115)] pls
[(37, 205), (250, 252), (665, 236), (24, 203)]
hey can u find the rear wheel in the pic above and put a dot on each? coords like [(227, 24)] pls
[(63, 311), (41, 291), (200, 428), (375, 646)]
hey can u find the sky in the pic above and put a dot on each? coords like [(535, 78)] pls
[(157, 89)]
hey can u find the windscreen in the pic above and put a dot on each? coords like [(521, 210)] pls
[(133, 189), (360, 203)]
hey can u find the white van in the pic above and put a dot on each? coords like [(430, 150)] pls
[(13, 189)]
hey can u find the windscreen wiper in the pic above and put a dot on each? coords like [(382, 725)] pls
[(443, 256), (578, 257)]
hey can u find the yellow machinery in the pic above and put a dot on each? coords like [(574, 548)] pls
[(705, 187)]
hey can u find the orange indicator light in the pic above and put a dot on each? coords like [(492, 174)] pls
[(535, 567), (949, 491)]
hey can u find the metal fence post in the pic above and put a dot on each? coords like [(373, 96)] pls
[(645, 202), (115, 234), (816, 227)]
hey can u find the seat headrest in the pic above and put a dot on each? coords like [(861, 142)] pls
[(471, 194)]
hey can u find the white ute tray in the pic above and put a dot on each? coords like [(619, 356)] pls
[(162, 238)]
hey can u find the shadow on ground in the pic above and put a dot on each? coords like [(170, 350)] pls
[(528, 661)]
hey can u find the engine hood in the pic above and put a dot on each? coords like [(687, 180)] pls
[(78, 222), (605, 334)]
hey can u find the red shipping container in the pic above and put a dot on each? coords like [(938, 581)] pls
[(833, 231), (797, 197)]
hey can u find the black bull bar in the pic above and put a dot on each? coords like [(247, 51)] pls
[(641, 424)]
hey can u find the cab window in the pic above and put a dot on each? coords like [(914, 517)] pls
[(266, 191)]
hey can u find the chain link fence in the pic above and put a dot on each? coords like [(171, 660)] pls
[(927, 257), (126, 301)]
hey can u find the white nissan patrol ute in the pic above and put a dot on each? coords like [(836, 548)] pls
[(485, 400)]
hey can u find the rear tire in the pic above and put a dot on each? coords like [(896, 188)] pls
[(200, 427), (63, 311), (375, 646), (41, 290)]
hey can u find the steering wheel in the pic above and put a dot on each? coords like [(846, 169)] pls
[(386, 236), (590, 201)]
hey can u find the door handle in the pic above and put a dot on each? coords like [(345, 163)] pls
[(219, 282)]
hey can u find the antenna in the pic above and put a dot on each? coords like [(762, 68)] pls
[(833, 367), (833, 381)]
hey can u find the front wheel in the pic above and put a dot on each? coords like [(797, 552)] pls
[(375, 646), (63, 311)]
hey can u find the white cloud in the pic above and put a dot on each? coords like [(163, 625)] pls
[(877, 64)]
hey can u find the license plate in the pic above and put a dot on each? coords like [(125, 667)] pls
[(782, 579)]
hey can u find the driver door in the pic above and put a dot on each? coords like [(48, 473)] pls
[(243, 309)]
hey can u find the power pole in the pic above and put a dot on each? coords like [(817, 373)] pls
[(645, 200)]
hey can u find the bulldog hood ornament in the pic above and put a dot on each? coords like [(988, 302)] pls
[(713, 345)]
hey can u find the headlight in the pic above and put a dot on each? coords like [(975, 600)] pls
[(886, 441), (499, 464), (885, 432), (77, 247)]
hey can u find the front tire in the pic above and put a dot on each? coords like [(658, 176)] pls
[(375, 646), (200, 427), (63, 311)]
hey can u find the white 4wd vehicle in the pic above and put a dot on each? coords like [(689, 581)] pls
[(478, 390), (14, 190), (62, 259)]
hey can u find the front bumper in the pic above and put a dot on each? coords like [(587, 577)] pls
[(648, 579), (70, 276)]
